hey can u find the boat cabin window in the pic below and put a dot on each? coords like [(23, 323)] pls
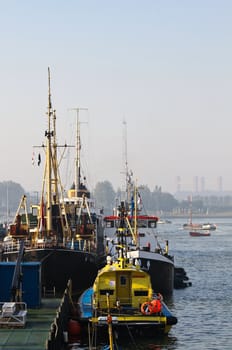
[(142, 223), (151, 223), (106, 291), (140, 293), (109, 223), (35, 210), (141, 234), (123, 280)]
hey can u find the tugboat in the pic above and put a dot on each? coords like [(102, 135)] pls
[(122, 296), (64, 234)]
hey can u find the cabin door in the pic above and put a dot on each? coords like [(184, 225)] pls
[(123, 288)]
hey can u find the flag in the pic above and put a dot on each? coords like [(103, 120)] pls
[(139, 201), (39, 159)]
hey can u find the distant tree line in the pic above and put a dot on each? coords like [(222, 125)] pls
[(154, 202), (10, 195), (162, 203)]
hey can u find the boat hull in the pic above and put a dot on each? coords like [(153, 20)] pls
[(60, 265), (155, 265), (139, 325), (199, 234), (137, 329)]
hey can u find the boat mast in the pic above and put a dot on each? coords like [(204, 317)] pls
[(78, 150), (49, 134), (191, 210), (54, 160), (126, 171)]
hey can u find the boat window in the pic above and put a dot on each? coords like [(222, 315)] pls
[(152, 224), (141, 234), (123, 280), (35, 211), (139, 293), (109, 224), (105, 291), (142, 223)]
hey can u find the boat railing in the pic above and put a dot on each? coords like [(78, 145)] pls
[(13, 314), (122, 311), (58, 329), (84, 245), (123, 306)]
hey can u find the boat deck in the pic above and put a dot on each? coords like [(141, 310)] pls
[(36, 331)]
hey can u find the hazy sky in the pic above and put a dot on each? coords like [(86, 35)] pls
[(165, 67)]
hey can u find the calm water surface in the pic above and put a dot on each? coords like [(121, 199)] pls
[(204, 311)]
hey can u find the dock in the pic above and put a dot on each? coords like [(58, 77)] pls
[(38, 330)]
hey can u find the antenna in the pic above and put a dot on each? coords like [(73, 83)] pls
[(125, 147), (128, 174)]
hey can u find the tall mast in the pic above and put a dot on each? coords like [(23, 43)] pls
[(48, 134), (54, 159), (78, 155), (78, 150)]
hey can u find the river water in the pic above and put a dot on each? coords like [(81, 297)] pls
[(204, 310)]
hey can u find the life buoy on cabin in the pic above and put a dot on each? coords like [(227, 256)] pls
[(146, 308), (151, 307)]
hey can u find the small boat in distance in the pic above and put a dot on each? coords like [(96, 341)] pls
[(193, 226), (199, 233), (122, 295), (207, 226)]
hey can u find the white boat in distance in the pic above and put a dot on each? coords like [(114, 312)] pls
[(206, 226)]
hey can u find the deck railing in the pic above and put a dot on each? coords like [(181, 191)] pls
[(56, 339)]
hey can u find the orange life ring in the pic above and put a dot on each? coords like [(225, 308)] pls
[(146, 308)]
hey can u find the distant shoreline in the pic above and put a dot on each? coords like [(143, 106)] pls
[(205, 217)]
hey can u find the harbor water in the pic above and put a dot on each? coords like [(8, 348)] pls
[(203, 310)]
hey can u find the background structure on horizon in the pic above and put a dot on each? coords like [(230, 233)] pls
[(200, 186)]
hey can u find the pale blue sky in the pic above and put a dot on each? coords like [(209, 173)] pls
[(163, 66)]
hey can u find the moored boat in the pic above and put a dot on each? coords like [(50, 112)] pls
[(199, 233), (122, 295), (64, 233)]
